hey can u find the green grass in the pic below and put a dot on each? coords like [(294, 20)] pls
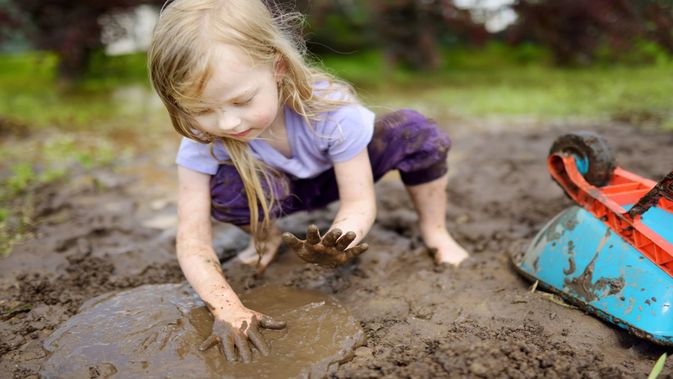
[(494, 83), (31, 92)]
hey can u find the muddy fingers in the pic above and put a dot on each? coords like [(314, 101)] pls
[(209, 342), (331, 250), (330, 239), (269, 323), (258, 341), (292, 241), (313, 235), (229, 348), (239, 342), (357, 250), (345, 241)]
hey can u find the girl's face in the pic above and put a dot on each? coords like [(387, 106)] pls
[(240, 100)]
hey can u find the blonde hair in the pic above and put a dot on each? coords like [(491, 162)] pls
[(180, 63)]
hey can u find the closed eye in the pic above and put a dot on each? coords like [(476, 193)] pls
[(201, 111), (244, 101)]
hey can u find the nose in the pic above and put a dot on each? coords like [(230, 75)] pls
[(227, 121)]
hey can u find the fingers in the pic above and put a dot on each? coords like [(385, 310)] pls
[(356, 250), (330, 239), (269, 323), (234, 342), (313, 235), (227, 344), (209, 342), (243, 347), (229, 348), (256, 337), (345, 240), (292, 241), (296, 245)]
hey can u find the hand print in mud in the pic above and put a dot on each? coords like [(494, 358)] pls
[(331, 250)]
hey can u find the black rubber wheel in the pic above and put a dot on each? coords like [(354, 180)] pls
[(592, 147)]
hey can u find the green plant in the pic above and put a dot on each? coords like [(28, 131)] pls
[(656, 370)]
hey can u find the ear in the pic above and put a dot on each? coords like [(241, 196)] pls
[(279, 68)]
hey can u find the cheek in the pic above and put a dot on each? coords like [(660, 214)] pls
[(206, 123), (266, 115)]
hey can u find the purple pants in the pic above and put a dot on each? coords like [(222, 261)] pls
[(403, 140)]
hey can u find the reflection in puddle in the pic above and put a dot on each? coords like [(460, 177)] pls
[(155, 330)]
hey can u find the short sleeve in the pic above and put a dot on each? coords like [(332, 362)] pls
[(349, 130), (196, 156)]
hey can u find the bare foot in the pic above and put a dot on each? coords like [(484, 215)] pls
[(250, 257), (445, 249)]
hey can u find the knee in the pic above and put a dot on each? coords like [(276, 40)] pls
[(410, 128)]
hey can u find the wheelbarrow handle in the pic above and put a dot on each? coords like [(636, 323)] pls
[(662, 189)]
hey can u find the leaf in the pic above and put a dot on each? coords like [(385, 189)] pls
[(656, 370)]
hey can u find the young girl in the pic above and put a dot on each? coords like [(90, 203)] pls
[(266, 135)]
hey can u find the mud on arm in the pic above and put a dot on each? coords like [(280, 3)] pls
[(357, 209), (353, 220), (235, 327), (194, 242)]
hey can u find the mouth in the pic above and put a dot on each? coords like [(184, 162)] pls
[(241, 134)]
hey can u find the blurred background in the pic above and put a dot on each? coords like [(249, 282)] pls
[(74, 93)]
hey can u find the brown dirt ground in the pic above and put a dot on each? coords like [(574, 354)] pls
[(113, 229)]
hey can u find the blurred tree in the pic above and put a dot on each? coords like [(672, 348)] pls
[(407, 29), (577, 30), (658, 16), (343, 26), (70, 28), (8, 21), (411, 29)]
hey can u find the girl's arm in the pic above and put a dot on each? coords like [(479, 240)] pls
[(234, 325), (194, 242), (357, 210), (355, 217)]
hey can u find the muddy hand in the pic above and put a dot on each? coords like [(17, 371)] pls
[(233, 340), (331, 250)]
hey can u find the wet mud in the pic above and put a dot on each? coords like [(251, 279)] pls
[(114, 230), (154, 331)]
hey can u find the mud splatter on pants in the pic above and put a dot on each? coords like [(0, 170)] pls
[(403, 140)]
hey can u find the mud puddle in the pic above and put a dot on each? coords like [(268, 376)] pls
[(479, 321), (155, 330)]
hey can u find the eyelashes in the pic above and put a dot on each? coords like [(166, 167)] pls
[(205, 111), (243, 102)]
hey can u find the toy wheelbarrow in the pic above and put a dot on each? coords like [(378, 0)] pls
[(612, 254)]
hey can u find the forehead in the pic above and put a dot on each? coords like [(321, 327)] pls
[(232, 70)]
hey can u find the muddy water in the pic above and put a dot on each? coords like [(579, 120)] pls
[(155, 330)]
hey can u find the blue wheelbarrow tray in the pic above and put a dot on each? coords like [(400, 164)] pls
[(581, 259)]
